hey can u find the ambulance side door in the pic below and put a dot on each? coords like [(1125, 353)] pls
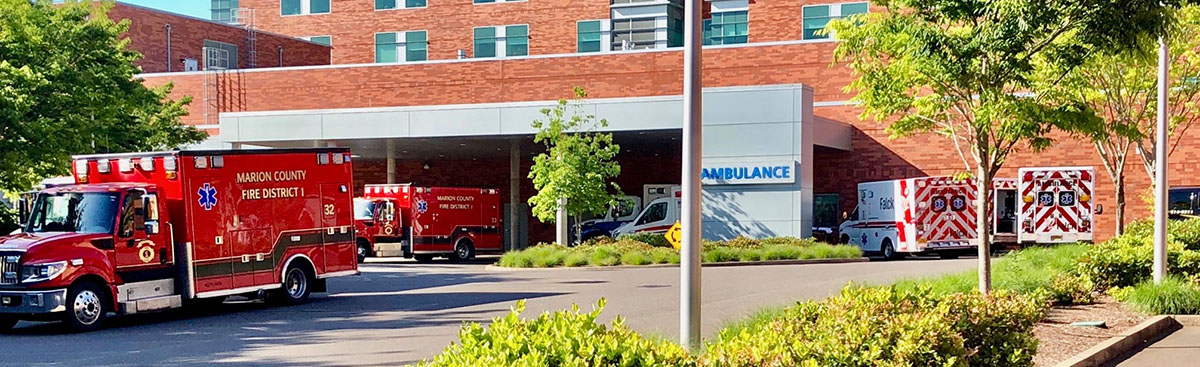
[(337, 222)]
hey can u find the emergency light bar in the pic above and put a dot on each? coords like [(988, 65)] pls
[(125, 165), (201, 162), (147, 163), (103, 166), (81, 169)]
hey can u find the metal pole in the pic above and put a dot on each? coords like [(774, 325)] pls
[(1160, 166), (689, 269)]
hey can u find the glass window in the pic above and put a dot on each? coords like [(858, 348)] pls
[(416, 46), (1066, 198), (853, 8), (385, 4), (289, 7), (1046, 198), (484, 1), (324, 40), (589, 36), (634, 34), (727, 28), (318, 6), (958, 203), (516, 37), (414, 3), (815, 18), (385, 47), (220, 55), (655, 213), (74, 212), (364, 209), (939, 204), (1183, 203), (485, 42)]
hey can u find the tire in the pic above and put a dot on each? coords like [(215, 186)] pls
[(464, 250), (87, 307), (297, 286), (845, 239), (887, 250), (364, 250), (948, 255), (423, 258), (7, 323)]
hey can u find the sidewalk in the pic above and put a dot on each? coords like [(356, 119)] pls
[(1177, 349)]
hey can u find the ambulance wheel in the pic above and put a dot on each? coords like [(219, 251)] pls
[(7, 322), (464, 250), (364, 250), (887, 250), (845, 239), (87, 306), (297, 285)]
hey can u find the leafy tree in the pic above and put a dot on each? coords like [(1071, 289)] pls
[(577, 165), (1121, 85), (67, 87), (965, 70)]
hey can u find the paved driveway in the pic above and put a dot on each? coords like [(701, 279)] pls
[(399, 312)]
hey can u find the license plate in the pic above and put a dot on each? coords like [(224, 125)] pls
[(1056, 238)]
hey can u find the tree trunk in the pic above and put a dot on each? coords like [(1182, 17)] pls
[(983, 227), (1119, 186)]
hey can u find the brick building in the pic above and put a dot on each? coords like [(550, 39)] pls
[(441, 92)]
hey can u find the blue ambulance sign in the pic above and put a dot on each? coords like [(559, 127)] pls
[(748, 172)]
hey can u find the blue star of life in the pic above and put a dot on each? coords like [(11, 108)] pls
[(422, 206), (208, 196)]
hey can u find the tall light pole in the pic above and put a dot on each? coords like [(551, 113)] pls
[(1160, 165), (689, 268)]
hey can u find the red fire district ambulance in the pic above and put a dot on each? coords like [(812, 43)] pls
[(425, 222), (151, 231), (937, 214)]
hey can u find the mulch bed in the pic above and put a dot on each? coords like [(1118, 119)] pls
[(1059, 340)]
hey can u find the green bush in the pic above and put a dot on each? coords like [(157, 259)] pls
[(627, 251), (1071, 289), (652, 239), (636, 258), (801, 242), (562, 338), (885, 327), (1174, 296), (575, 259), (1185, 232), (1127, 261)]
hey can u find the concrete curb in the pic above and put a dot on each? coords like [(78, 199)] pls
[(706, 265), (1128, 340)]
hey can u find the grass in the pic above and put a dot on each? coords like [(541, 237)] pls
[(1174, 296), (1024, 271), (632, 252)]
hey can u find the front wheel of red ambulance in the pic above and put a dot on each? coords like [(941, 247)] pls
[(87, 306), (464, 250)]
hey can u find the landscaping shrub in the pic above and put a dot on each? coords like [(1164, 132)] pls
[(574, 259), (652, 239), (1127, 261), (627, 251), (635, 258), (1174, 296), (1069, 289), (1185, 232), (997, 330), (1027, 271), (802, 242), (562, 338), (741, 242)]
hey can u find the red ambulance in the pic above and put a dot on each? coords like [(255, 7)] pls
[(151, 231), (426, 222)]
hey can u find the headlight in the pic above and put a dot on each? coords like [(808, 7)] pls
[(42, 272)]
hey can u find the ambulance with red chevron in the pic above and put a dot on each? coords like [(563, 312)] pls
[(937, 215)]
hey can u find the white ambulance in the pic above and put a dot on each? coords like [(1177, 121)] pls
[(1056, 204), (931, 215)]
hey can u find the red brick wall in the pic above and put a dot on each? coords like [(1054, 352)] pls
[(450, 24), (147, 34)]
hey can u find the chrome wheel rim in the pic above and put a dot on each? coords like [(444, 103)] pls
[(296, 283), (462, 251), (87, 307), (887, 251), (362, 251)]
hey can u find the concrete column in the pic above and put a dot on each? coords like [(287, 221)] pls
[(391, 161), (561, 233), (514, 194)]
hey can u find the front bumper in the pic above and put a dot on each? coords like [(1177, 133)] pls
[(33, 302)]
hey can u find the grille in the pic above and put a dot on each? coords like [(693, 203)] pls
[(10, 268)]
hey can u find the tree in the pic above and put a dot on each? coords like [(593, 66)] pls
[(577, 165), (1122, 87), (966, 70), (67, 87)]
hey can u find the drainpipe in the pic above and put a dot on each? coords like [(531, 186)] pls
[(168, 47), (280, 56)]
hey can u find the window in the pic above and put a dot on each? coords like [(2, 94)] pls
[(939, 204), (324, 40), (401, 46), (220, 55), (655, 213), (958, 203), (816, 17), (1183, 203), (634, 34), (301, 7), (398, 4), (485, 42), (727, 28), (222, 10), (495, 1), (505, 41), (1046, 198), (1066, 198), (131, 214), (589, 36)]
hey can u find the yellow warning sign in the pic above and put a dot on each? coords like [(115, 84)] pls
[(675, 235)]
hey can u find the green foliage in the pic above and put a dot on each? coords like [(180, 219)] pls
[(1174, 296), (885, 327), (628, 251), (1127, 261), (67, 87), (653, 239), (577, 165), (1028, 271), (8, 220), (1069, 289), (562, 338)]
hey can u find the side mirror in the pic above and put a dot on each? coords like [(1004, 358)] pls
[(151, 227), (1099, 209)]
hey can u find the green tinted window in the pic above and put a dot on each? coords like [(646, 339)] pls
[(815, 19), (289, 7), (385, 4), (318, 6), (414, 3), (516, 37), (324, 40), (589, 38), (853, 8), (727, 28), (485, 42), (415, 46), (385, 47)]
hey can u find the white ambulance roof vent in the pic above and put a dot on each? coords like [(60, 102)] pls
[(103, 166), (147, 163), (125, 165)]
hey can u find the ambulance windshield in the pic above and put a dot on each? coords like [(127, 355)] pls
[(364, 209), (74, 212)]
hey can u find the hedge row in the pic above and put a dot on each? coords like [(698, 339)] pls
[(631, 251)]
